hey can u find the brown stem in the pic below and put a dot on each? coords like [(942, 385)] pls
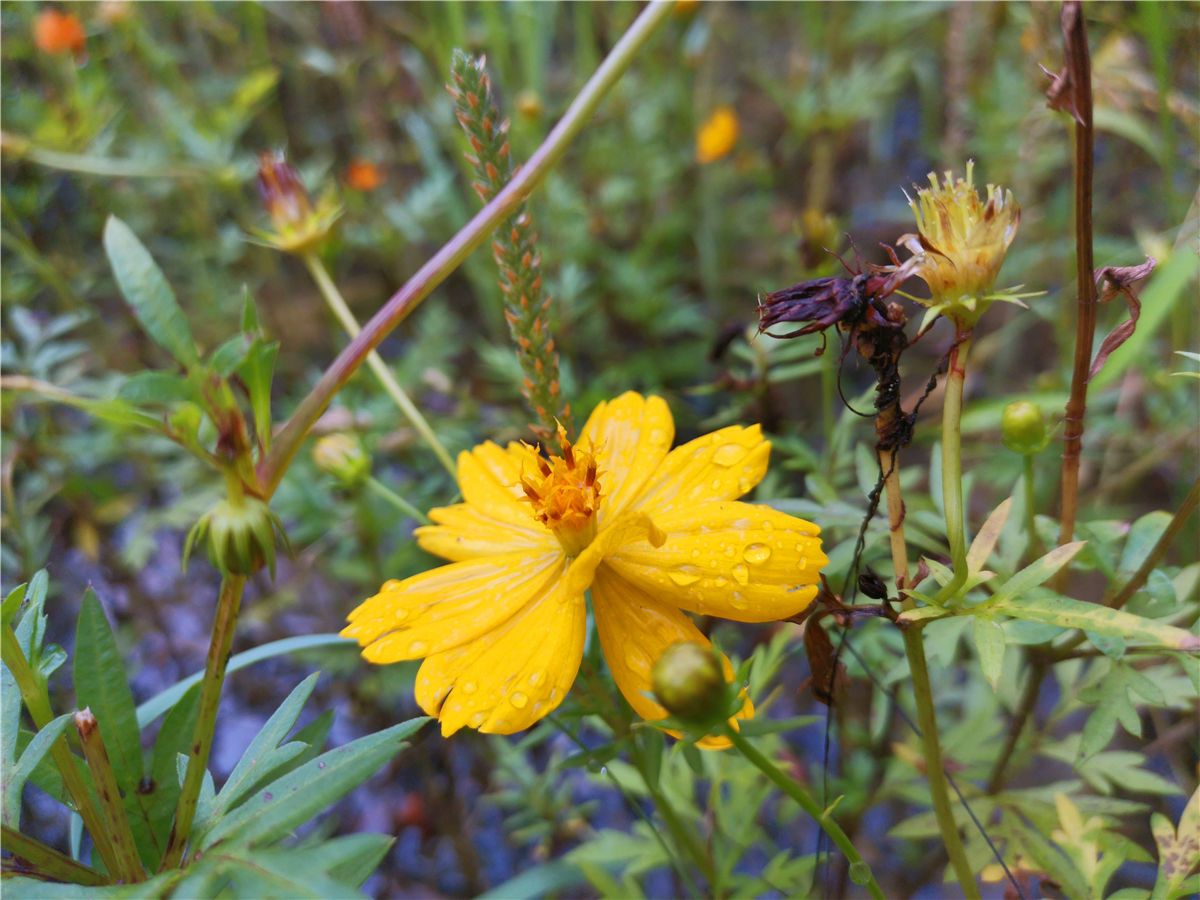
[(129, 866), (1079, 74)]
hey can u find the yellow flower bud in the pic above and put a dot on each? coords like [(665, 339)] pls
[(1023, 428), (343, 457), (299, 227)]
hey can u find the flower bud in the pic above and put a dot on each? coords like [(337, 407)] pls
[(529, 104), (1023, 428), (717, 135), (343, 457), (688, 681), (241, 536)]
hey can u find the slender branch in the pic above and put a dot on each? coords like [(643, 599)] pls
[(474, 233), (1155, 556), (1035, 543), (952, 498), (48, 863), (130, 868), (335, 301), (382, 490), (1079, 76), (860, 872), (224, 622), (33, 692)]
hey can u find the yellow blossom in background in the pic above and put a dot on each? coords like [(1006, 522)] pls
[(717, 135), (961, 244), (651, 532)]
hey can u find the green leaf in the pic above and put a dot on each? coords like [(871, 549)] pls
[(32, 627), (250, 321), (157, 804), (1034, 574), (1054, 609), (985, 541), (8, 609), (298, 796), (280, 875), (148, 293), (543, 880), (265, 752), (227, 357), (160, 703), (1178, 851), (1113, 705), (990, 642), (14, 777), (102, 685), (1157, 599), (155, 387), (349, 859), (256, 370), (1143, 535)]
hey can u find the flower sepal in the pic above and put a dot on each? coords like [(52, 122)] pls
[(690, 682), (240, 535)]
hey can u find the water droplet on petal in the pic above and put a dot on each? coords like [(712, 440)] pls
[(741, 574), (744, 484), (756, 554), (519, 700), (720, 581), (399, 615), (477, 720), (470, 687), (728, 455), (537, 678), (418, 648), (390, 585), (716, 484), (683, 579), (738, 601)]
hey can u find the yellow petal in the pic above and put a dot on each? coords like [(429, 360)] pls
[(722, 465), (634, 630), (733, 560), (450, 605), (489, 477), (466, 532), (507, 679), (630, 436)]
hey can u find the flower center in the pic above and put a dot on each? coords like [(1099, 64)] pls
[(565, 495)]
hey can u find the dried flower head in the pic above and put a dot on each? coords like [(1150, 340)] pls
[(299, 227), (960, 245)]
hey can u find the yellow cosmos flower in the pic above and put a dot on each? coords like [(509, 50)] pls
[(717, 135), (650, 531), (961, 244)]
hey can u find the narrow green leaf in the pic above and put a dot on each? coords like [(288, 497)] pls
[(990, 642), (298, 796), (264, 751), (160, 703), (12, 603), (1036, 573), (14, 777), (256, 370), (1143, 535), (352, 858), (985, 541), (155, 387), (32, 627), (102, 684), (542, 880), (1054, 609), (250, 321), (146, 289), (280, 875), (925, 614), (229, 355)]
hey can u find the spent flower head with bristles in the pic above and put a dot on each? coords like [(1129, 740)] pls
[(299, 227), (649, 531), (960, 245)]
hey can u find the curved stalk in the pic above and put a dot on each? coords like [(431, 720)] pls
[(474, 233), (952, 498), (336, 303), (860, 871)]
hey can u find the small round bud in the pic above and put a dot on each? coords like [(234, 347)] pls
[(241, 536), (342, 456), (529, 104), (689, 682), (1023, 428)]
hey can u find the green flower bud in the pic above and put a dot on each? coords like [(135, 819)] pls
[(689, 682), (1023, 428), (342, 456), (241, 536)]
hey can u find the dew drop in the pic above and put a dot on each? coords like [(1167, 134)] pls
[(537, 678), (741, 574), (745, 483), (756, 554), (321, 765), (519, 700), (470, 687), (737, 600), (477, 720), (390, 585), (716, 484), (728, 455), (720, 581), (399, 615), (696, 553), (683, 579), (418, 648)]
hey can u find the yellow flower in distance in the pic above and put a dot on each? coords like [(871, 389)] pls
[(961, 244), (649, 530), (717, 135)]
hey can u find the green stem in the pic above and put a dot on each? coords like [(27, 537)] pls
[(20, 147), (33, 692), (474, 233), (382, 490), (224, 622), (939, 790), (335, 301), (48, 862), (860, 872), (130, 869), (1035, 545), (952, 498)]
